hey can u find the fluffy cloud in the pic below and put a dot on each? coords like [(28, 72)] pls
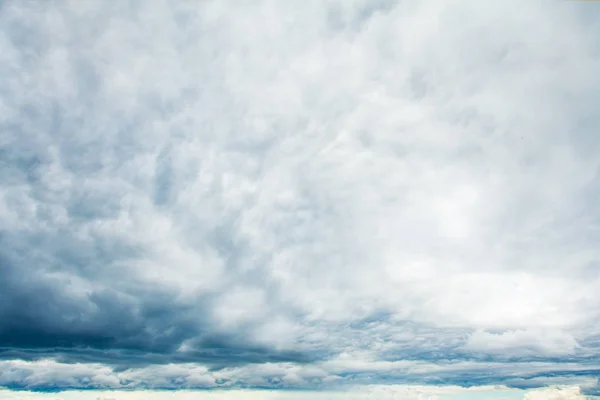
[(573, 393), (281, 195), (339, 373)]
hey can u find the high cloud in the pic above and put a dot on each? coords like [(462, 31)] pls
[(275, 194)]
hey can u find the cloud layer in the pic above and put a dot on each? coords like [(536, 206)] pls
[(264, 194), (357, 393)]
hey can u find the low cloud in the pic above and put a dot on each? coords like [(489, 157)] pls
[(335, 374), (573, 393), (357, 393)]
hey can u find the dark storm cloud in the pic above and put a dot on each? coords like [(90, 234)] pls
[(121, 322), (142, 325)]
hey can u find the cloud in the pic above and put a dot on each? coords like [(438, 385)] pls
[(365, 392), (521, 342), (358, 393), (555, 394), (339, 373), (291, 196)]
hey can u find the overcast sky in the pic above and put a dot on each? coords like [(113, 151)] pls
[(317, 194)]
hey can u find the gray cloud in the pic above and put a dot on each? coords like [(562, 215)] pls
[(342, 186)]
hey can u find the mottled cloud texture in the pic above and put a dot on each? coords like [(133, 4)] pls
[(316, 195)]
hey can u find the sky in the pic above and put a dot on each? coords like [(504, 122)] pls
[(357, 199)]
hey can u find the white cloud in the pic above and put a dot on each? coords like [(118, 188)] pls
[(285, 172), (341, 373), (358, 393), (569, 393)]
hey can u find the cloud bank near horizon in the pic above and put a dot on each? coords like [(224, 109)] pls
[(268, 195), (357, 393)]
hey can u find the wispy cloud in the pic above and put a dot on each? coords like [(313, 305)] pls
[(269, 194)]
